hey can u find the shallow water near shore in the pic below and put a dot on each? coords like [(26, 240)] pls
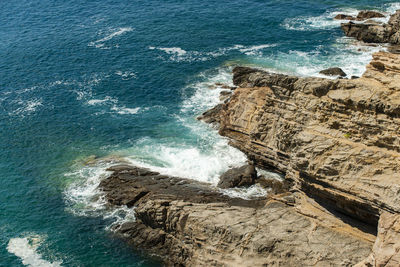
[(85, 85)]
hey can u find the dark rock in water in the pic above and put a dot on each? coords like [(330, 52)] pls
[(354, 77), (212, 115), (369, 14), (333, 72), (375, 33), (236, 177), (344, 17)]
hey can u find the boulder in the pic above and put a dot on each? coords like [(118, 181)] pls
[(333, 72), (369, 14), (237, 177), (344, 17)]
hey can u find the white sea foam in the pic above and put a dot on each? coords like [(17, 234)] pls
[(178, 54), (392, 7), (326, 21), (188, 161), (125, 110), (117, 32), (26, 248), (126, 75), (255, 49), (84, 198), (26, 107), (348, 54), (107, 99), (254, 191)]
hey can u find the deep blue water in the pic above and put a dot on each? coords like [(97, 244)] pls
[(80, 80)]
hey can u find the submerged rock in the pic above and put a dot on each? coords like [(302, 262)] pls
[(333, 72), (237, 177)]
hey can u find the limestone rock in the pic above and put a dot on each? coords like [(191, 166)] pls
[(237, 177), (212, 115), (333, 72), (188, 223), (386, 250), (337, 140)]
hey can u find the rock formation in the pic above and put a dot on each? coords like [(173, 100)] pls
[(238, 177), (375, 33), (189, 223), (337, 140), (369, 14), (333, 72), (337, 144), (362, 15), (344, 17)]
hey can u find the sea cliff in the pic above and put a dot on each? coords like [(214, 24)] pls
[(335, 141)]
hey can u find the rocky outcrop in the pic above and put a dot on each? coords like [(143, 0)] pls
[(369, 14), (344, 17), (337, 144), (333, 72), (386, 250), (362, 15), (337, 140), (375, 33), (188, 223), (237, 177)]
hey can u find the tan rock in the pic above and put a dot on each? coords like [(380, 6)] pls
[(188, 223), (386, 250), (337, 140)]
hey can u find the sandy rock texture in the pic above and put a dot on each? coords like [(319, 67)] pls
[(337, 140), (188, 223)]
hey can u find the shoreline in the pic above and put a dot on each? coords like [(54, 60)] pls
[(337, 144)]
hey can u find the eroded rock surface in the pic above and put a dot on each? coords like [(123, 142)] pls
[(337, 140), (189, 223), (386, 250), (375, 33)]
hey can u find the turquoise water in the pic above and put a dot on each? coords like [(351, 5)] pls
[(124, 80)]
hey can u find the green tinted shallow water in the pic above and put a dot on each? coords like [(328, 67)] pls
[(127, 78)]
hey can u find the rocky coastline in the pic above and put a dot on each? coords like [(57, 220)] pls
[(335, 141)]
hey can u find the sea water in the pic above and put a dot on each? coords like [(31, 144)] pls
[(85, 84)]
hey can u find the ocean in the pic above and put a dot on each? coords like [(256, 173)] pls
[(84, 84)]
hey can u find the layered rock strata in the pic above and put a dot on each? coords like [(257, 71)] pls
[(337, 143), (188, 223), (336, 140)]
